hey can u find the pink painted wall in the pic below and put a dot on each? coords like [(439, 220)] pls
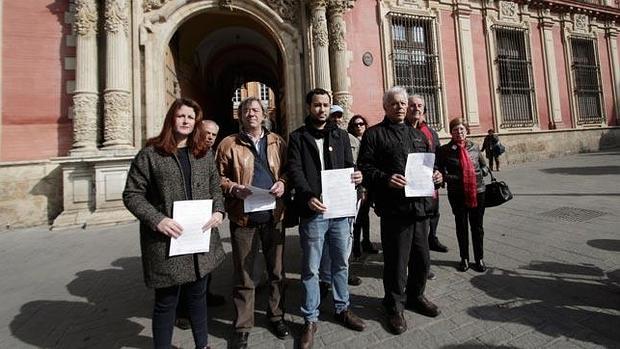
[(483, 87), (563, 76), (538, 70), (449, 55), (363, 35), (34, 101), (606, 79)]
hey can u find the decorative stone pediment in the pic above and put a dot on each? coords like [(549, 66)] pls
[(508, 10), (580, 23)]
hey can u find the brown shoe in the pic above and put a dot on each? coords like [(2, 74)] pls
[(397, 323), (350, 320), (307, 336), (423, 306)]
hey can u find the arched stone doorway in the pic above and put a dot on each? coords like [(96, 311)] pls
[(205, 51)]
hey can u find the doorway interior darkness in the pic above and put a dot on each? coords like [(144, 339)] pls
[(212, 54)]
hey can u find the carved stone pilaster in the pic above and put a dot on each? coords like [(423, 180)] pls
[(149, 5), (467, 62), (338, 54), (552, 83), (86, 14), (320, 42), (345, 100), (118, 121), (612, 42), (86, 94), (116, 16), (336, 36), (85, 122), (118, 127)]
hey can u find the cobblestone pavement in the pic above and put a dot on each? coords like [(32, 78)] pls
[(553, 281)]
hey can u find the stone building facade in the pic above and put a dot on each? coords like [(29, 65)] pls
[(86, 82)]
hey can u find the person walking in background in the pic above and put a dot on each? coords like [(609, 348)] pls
[(463, 167), (361, 229), (416, 116), (175, 166), (316, 146), (254, 157), (491, 148), (404, 220)]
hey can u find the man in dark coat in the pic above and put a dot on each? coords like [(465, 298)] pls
[(404, 220), (416, 116), (314, 147)]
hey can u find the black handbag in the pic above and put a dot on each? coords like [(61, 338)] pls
[(496, 193)]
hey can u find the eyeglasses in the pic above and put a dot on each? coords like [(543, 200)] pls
[(359, 124)]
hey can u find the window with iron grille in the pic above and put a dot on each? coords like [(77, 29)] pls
[(514, 70), (415, 62), (586, 81)]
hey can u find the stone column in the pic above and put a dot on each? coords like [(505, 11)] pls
[(85, 96), (612, 42), (320, 43), (466, 57), (553, 90), (118, 123), (338, 54)]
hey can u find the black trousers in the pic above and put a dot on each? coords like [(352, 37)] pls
[(475, 217), (406, 260), (164, 312), (434, 221), (362, 225)]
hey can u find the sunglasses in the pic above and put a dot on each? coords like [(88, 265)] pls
[(358, 124)]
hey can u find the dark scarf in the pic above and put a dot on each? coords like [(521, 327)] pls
[(469, 176), (324, 134), (429, 135)]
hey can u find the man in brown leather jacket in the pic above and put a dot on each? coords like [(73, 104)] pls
[(254, 158)]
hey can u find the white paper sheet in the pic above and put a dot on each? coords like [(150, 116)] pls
[(339, 193), (191, 215), (419, 174), (260, 200)]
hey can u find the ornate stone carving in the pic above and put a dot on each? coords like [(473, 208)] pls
[(149, 5), (86, 17), (340, 6), (581, 22), (116, 16), (314, 4), (344, 99), (85, 120), (287, 9), (319, 30), (336, 35), (508, 9), (118, 123)]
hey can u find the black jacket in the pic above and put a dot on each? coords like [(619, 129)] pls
[(304, 167), (384, 152), (449, 165)]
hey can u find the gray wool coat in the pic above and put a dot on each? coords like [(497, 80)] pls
[(154, 183)]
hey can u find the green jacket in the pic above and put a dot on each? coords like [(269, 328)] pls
[(154, 183)]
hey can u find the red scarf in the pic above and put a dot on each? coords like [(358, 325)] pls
[(429, 135), (470, 185)]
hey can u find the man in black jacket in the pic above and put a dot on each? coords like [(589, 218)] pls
[(316, 146), (416, 116), (404, 220)]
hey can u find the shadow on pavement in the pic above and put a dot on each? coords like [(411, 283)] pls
[(103, 320), (605, 244), (584, 171), (556, 299)]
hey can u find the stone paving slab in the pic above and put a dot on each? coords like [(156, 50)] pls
[(552, 282)]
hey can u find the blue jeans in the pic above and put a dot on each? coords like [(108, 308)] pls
[(314, 232)]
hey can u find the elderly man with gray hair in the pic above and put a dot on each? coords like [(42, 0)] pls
[(404, 220)]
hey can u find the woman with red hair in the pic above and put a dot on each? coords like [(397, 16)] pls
[(175, 166)]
